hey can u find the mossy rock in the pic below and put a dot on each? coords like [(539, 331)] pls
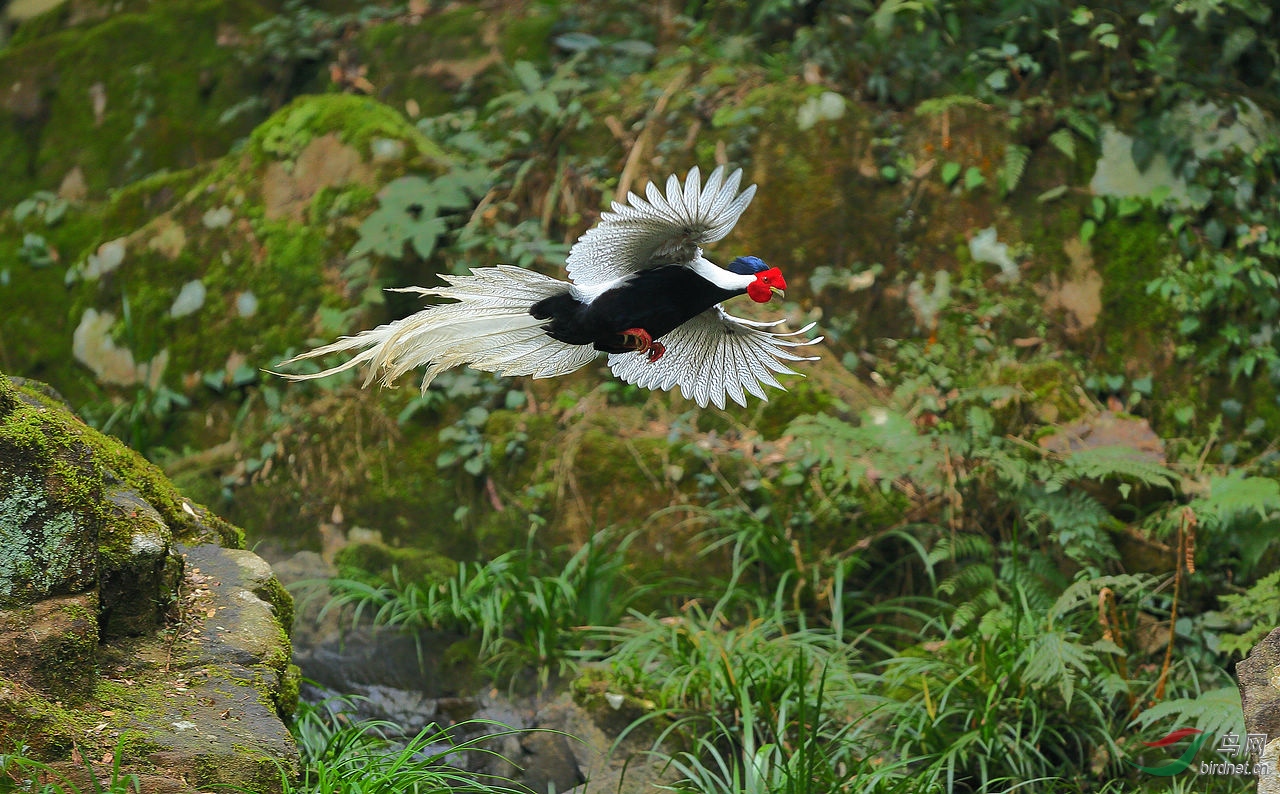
[(237, 270), (52, 645), (168, 100), (37, 325), (378, 563), (1129, 253), (92, 570), (40, 427), (1049, 392), (256, 241), (83, 512), (616, 708), (357, 122), (456, 54)]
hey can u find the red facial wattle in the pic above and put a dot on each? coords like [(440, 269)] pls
[(767, 281)]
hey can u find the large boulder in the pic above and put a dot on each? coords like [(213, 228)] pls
[(130, 621)]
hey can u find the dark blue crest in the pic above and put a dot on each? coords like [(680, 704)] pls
[(748, 265)]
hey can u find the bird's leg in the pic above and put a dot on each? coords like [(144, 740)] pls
[(639, 340)]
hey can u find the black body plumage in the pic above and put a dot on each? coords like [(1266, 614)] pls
[(639, 289), (658, 300)]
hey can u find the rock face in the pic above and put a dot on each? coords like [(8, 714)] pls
[(129, 623), (1259, 677)]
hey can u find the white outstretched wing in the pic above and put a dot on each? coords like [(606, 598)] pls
[(713, 355), (640, 233)]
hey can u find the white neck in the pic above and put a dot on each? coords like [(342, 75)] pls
[(724, 279)]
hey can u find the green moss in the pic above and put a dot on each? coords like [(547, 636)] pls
[(169, 84), (460, 666), (278, 261), (1128, 253), (635, 712), (605, 463), (278, 660), (392, 53), (1054, 393), (73, 611), (1043, 230), (286, 701), (51, 645), (403, 491), (45, 24), (144, 700), (39, 321), (47, 727), (50, 433), (527, 38), (801, 397), (375, 563), (282, 600), (132, 206), (69, 667), (451, 55), (34, 322), (457, 26), (52, 508), (357, 120), (279, 268), (510, 434), (8, 396), (73, 704), (332, 203), (247, 768)]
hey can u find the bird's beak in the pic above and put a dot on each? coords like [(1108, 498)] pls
[(778, 292)]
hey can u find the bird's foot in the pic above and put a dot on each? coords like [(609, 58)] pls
[(639, 340)]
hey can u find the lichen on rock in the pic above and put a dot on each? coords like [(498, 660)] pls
[(44, 550)]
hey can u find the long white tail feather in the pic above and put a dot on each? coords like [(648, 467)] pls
[(489, 328)]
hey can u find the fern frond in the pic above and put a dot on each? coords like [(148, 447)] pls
[(1085, 592), (1012, 471), (1052, 659), (833, 443), (899, 449), (1077, 521), (1030, 581), (1215, 712), (1258, 607), (1015, 165), (1064, 141), (1237, 494), (961, 546), (1066, 510), (1104, 463), (974, 609), (968, 579), (981, 425)]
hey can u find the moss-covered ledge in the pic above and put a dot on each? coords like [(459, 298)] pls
[(130, 621)]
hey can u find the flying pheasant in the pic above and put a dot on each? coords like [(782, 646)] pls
[(640, 290)]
